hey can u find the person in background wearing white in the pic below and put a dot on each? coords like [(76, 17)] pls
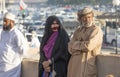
[(34, 40), (12, 48)]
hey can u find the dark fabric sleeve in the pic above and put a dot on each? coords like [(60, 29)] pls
[(42, 58), (62, 52), (40, 67)]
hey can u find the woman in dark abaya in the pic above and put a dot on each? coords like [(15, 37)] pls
[(54, 49)]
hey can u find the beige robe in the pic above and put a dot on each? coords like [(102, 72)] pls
[(84, 46)]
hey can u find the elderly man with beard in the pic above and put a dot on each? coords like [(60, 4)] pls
[(12, 48), (84, 46)]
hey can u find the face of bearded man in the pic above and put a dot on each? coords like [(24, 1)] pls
[(7, 28), (87, 20), (6, 25), (86, 24)]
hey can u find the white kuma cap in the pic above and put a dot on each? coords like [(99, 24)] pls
[(9, 16)]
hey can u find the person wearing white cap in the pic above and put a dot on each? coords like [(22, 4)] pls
[(84, 46), (9, 20), (12, 48)]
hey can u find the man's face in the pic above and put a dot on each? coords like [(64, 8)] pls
[(6, 24), (87, 20)]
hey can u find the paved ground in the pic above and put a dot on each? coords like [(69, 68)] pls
[(108, 49)]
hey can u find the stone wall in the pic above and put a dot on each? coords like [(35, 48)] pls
[(106, 64), (29, 68)]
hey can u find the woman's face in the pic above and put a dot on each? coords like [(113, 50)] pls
[(55, 26)]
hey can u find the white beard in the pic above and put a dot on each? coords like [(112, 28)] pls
[(86, 24)]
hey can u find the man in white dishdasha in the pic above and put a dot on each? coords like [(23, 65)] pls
[(12, 48)]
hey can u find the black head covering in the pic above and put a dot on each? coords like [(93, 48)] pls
[(48, 31)]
